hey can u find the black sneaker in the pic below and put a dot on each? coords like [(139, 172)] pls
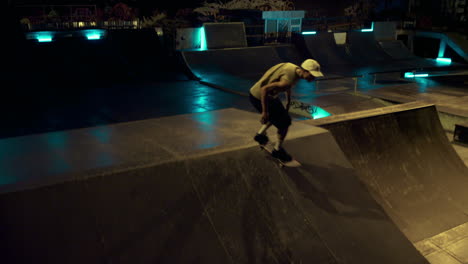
[(262, 139), (281, 154)]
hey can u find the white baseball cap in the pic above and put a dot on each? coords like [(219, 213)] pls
[(313, 67)]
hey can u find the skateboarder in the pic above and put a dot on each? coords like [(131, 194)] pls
[(264, 97)]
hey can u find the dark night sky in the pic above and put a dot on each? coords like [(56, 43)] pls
[(332, 6), (328, 7), (176, 4)]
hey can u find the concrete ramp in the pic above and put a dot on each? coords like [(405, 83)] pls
[(231, 69), (323, 48), (382, 57), (234, 205), (398, 51), (404, 157), (361, 54), (365, 51), (236, 70), (242, 62)]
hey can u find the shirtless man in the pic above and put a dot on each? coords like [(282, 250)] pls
[(264, 97)]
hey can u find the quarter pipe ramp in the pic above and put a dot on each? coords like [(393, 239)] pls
[(404, 157)]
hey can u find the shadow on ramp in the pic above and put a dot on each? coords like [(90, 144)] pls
[(318, 188)]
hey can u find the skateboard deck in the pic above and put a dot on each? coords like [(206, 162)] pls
[(293, 163)]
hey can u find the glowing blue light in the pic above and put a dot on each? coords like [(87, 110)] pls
[(368, 29), (413, 75), (319, 113), (43, 36), (44, 39), (309, 32), (202, 39), (94, 34), (444, 60)]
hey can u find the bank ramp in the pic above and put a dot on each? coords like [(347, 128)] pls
[(332, 57), (230, 204), (237, 69), (362, 54), (366, 50), (404, 157)]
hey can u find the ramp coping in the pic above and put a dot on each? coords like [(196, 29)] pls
[(369, 113)]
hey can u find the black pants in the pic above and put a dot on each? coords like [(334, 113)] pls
[(277, 114)]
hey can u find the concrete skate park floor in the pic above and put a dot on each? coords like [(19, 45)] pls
[(127, 103)]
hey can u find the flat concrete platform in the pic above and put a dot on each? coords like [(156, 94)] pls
[(447, 99), (99, 105), (195, 188), (70, 155), (448, 247)]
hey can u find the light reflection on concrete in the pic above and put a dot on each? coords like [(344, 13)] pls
[(206, 122)]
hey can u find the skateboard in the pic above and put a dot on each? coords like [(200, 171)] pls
[(292, 164)]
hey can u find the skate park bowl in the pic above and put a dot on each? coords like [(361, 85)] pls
[(195, 188)]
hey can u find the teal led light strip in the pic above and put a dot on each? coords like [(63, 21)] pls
[(202, 39), (445, 60), (368, 29), (417, 75), (42, 36), (94, 34), (44, 39)]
